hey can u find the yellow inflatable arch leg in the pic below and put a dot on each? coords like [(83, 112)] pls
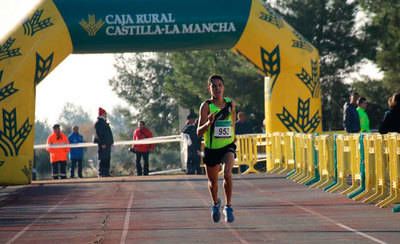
[(291, 64), (27, 56), (56, 28)]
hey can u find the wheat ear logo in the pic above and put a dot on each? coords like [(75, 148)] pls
[(91, 26), (35, 24)]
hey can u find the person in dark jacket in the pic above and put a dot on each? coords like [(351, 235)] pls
[(351, 121), (391, 119), (242, 125), (104, 139), (193, 157), (76, 154)]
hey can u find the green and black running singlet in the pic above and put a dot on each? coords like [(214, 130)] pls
[(221, 132)]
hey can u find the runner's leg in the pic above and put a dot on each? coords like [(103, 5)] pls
[(229, 160), (212, 175)]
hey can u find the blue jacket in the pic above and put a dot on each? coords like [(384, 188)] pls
[(75, 153)]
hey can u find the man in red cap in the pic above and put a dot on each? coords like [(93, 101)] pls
[(104, 139)]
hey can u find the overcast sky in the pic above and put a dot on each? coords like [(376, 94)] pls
[(79, 79)]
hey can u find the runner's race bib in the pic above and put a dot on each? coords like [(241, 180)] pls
[(223, 129)]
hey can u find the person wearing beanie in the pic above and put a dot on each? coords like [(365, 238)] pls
[(58, 156), (194, 150), (104, 139)]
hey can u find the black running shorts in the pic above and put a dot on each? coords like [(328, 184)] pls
[(213, 157)]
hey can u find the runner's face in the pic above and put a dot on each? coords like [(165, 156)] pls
[(216, 88)]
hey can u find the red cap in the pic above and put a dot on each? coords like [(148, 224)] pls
[(102, 112)]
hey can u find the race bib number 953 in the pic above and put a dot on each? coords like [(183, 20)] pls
[(223, 129)]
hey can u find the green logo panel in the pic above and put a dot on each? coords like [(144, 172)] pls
[(153, 25)]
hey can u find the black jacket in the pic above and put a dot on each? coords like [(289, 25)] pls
[(196, 141), (391, 121), (104, 135), (351, 121)]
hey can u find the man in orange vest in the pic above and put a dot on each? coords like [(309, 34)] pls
[(58, 156)]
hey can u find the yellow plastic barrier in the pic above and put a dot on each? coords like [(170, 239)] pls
[(301, 157), (380, 179), (324, 147), (343, 163), (276, 150), (261, 148), (354, 157), (240, 153), (287, 141), (268, 153), (298, 158), (249, 147), (308, 140), (370, 175), (393, 147)]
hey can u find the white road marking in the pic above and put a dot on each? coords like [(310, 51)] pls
[(19, 234), (126, 222)]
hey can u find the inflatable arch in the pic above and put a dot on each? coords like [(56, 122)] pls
[(57, 28)]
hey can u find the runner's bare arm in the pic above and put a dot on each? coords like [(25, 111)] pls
[(234, 117), (205, 119)]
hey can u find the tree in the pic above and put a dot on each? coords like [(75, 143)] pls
[(140, 81), (330, 26), (384, 28), (41, 162), (42, 131), (188, 81), (122, 159), (71, 115)]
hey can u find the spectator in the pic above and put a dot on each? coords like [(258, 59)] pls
[(391, 119), (58, 156), (362, 114), (193, 157), (242, 125), (76, 154), (142, 150), (351, 121), (263, 130), (104, 139)]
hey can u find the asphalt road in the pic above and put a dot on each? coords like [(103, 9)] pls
[(176, 209)]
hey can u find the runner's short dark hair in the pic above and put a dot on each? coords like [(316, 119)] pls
[(214, 77)]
